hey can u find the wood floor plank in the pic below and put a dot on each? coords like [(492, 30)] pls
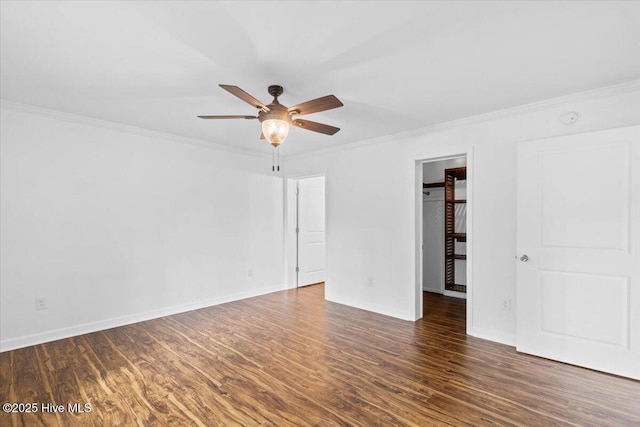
[(6, 383), (265, 380), (233, 369), (292, 359), (28, 387), (59, 380)]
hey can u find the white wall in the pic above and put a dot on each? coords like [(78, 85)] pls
[(434, 171), (114, 227), (371, 203)]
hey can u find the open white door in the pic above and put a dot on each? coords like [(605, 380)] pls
[(579, 227), (311, 231)]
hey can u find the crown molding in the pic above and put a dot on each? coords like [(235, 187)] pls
[(132, 130), (603, 92)]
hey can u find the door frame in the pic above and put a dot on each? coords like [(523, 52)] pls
[(418, 231), (290, 223)]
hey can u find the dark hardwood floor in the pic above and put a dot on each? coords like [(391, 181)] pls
[(290, 358)]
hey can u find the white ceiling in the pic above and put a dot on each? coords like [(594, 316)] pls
[(395, 65)]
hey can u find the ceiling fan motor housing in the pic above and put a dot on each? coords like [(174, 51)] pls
[(276, 112)]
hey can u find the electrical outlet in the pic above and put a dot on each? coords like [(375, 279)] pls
[(41, 303), (250, 272), (506, 304), (370, 282)]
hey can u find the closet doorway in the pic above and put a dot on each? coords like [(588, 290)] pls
[(444, 255), (306, 231)]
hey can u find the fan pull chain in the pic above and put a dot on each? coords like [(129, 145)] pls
[(275, 159)]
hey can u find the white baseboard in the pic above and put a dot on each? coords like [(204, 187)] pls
[(100, 325), (374, 309), (455, 294), (492, 335)]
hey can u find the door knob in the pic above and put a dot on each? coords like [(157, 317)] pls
[(524, 258)]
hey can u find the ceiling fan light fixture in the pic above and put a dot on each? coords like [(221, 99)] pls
[(275, 131), (276, 119)]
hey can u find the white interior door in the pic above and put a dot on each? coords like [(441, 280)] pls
[(311, 231), (579, 226)]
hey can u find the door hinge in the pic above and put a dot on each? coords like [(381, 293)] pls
[(297, 269)]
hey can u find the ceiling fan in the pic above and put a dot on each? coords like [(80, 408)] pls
[(276, 118)]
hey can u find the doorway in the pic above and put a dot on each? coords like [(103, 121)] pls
[(443, 234), (306, 231)]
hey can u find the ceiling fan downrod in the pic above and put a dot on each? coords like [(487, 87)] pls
[(275, 91)]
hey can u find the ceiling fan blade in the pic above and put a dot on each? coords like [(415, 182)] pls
[(321, 104), (315, 126), (235, 90), (228, 117)]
